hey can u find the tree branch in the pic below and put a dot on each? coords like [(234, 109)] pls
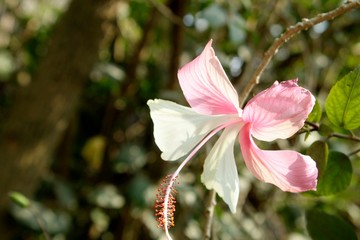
[(354, 152), (178, 8), (287, 35)]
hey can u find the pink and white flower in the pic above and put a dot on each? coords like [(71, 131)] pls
[(275, 113)]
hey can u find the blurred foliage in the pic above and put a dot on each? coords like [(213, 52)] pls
[(105, 186)]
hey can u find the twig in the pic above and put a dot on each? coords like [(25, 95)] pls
[(315, 127), (288, 34), (343, 136), (354, 152), (209, 214)]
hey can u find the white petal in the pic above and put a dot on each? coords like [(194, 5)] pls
[(178, 129), (220, 172)]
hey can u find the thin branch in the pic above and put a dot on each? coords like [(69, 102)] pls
[(287, 35), (316, 127), (354, 152), (209, 214), (343, 136)]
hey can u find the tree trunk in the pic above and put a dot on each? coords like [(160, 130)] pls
[(41, 111)]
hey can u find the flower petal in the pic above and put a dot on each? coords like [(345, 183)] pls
[(206, 86), (220, 172), (289, 170), (178, 129), (279, 111)]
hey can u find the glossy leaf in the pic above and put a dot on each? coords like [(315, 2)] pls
[(319, 152), (343, 103), (323, 226), (337, 174), (316, 113)]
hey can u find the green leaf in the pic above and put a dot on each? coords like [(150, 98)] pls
[(342, 106), (337, 174), (316, 113), (323, 226), (20, 199), (319, 152)]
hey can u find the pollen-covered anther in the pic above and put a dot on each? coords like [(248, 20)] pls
[(165, 202)]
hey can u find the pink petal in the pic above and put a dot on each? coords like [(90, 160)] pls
[(288, 170), (206, 86), (279, 111)]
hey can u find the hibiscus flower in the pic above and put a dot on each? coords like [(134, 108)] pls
[(275, 113)]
